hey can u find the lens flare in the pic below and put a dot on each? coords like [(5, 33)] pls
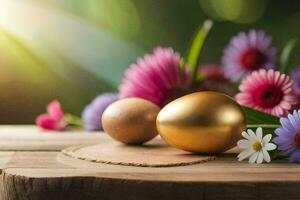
[(39, 25)]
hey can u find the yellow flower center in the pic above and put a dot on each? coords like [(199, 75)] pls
[(256, 146)]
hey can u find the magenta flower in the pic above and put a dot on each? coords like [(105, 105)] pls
[(156, 77), (215, 80), (267, 91), (212, 72), (288, 136), (246, 53), (53, 119)]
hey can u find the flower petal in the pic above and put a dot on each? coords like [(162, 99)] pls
[(266, 139), (245, 154), (260, 158), (45, 121), (267, 157), (55, 111), (259, 133), (245, 135), (270, 147), (252, 134), (243, 144), (295, 157), (253, 157)]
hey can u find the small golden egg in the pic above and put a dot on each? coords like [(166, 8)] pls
[(131, 120), (202, 122)]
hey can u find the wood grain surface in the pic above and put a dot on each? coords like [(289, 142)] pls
[(31, 175), (31, 138)]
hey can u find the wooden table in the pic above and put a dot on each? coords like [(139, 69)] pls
[(30, 173)]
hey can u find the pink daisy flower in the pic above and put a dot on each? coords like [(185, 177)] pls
[(212, 72), (267, 91), (215, 80), (156, 77), (246, 53)]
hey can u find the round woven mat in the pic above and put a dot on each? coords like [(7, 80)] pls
[(153, 154)]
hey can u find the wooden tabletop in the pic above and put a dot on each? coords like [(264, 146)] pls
[(30, 173)]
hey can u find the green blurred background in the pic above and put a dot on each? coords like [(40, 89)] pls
[(73, 50)]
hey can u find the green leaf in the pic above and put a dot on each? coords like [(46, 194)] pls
[(255, 117), (266, 126), (275, 155), (196, 46), (286, 54)]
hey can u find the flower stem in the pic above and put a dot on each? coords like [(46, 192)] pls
[(73, 120), (263, 125)]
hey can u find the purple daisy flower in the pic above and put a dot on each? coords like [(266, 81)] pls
[(246, 53), (296, 78), (92, 114), (288, 140), (156, 78)]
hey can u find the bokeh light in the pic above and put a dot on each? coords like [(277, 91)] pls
[(238, 11)]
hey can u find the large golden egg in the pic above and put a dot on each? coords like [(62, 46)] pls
[(202, 122)]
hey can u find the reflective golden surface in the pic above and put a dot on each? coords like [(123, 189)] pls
[(202, 122)]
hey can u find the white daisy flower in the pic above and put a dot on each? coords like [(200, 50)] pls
[(255, 146)]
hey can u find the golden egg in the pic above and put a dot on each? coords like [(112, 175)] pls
[(202, 122), (131, 120)]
